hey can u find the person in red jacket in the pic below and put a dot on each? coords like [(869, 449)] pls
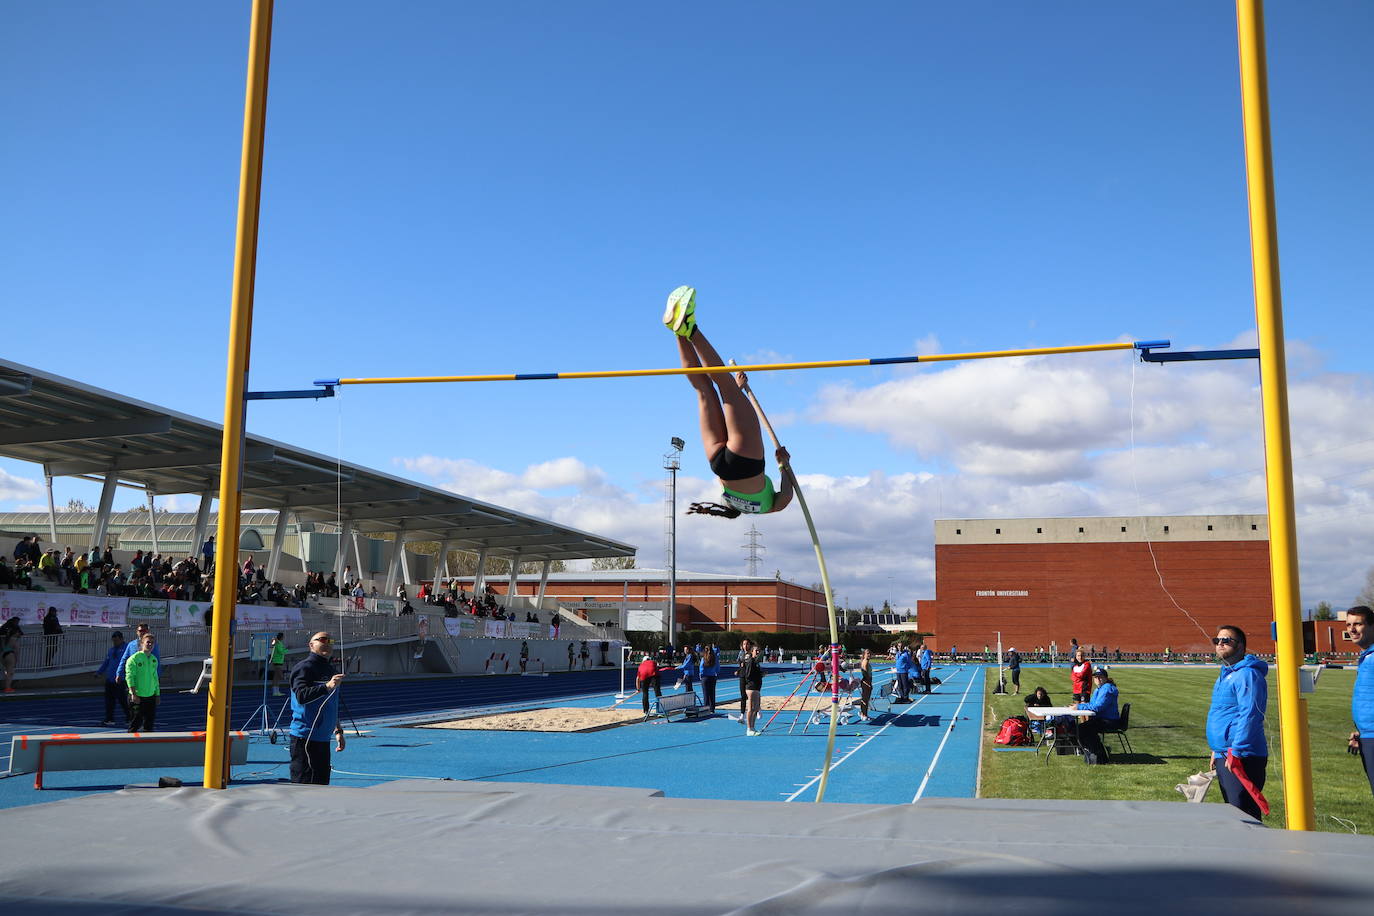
[(1082, 672), (645, 678)]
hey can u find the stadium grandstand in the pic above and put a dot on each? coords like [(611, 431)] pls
[(323, 543)]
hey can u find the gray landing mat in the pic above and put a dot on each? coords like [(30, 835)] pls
[(502, 848)]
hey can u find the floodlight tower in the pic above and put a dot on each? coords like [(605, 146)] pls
[(671, 462)]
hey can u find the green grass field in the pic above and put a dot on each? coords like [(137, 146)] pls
[(1168, 714)]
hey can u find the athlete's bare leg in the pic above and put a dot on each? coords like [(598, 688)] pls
[(743, 434), (714, 432)]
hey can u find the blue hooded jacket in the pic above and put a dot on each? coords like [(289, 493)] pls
[(924, 661), (1236, 720), (1362, 699), (903, 665), (1103, 703)]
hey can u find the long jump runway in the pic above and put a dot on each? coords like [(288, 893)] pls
[(928, 748)]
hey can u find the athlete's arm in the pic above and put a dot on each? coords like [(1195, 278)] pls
[(788, 487)]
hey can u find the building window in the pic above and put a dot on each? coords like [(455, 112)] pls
[(999, 530), (1080, 530), (1166, 529), (1254, 527), (1123, 529), (1039, 531), (958, 530), (1209, 527)]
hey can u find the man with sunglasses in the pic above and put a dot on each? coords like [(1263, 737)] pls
[(1359, 628), (314, 713), (1235, 723)]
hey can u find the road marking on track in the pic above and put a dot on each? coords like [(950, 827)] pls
[(834, 766), (949, 731)]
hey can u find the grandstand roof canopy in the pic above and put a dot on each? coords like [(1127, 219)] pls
[(76, 430)]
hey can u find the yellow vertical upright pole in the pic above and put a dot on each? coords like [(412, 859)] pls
[(236, 382), (1278, 458)]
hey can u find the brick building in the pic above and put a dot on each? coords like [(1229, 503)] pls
[(1043, 581), (636, 599)]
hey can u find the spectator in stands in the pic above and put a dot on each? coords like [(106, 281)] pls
[(1359, 629), (107, 558), (52, 637), (555, 622), (407, 609), (647, 678), (47, 565), (10, 634), (65, 571), (314, 712), (207, 554), (141, 674), (7, 578), (1235, 723), (21, 549), (109, 668), (349, 580), (1103, 705), (1081, 673)]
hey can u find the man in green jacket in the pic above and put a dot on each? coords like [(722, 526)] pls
[(140, 673)]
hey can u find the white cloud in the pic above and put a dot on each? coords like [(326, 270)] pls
[(1013, 438), (12, 487)]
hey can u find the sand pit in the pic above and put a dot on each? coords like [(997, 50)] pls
[(549, 720)]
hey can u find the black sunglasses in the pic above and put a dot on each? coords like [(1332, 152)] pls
[(1223, 640)]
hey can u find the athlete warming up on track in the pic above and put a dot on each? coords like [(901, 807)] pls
[(729, 426)]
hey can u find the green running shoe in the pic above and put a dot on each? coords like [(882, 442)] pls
[(681, 314)]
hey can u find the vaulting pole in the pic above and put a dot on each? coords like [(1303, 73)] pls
[(1278, 453), (764, 367), (236, 384), (829, 598)]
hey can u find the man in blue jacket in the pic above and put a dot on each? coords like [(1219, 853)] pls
[(111, 668), (1359, 627), (1103, 704), (924, 662), (314, 713), (1235, 722), (903, 670)]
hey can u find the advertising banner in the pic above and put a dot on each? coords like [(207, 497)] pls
[(389, 606), (152, 611), (263, 617), (184, 614), (72, 610), (494, 629), (460, 626), (29, 607)]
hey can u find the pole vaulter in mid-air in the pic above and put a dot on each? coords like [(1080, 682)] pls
[(730, 430)]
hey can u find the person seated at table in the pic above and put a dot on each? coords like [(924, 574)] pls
[(1038, 697), (1103, 705)]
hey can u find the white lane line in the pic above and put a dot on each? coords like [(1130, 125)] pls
[(939, 750), (834, 766)]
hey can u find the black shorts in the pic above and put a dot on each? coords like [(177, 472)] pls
[(726, 465)]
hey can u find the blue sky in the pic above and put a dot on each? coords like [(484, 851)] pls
[(515, 186)]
